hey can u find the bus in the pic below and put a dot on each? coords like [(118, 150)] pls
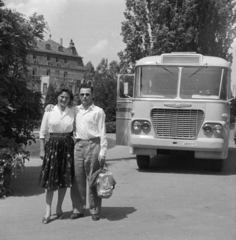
[(176, 103)]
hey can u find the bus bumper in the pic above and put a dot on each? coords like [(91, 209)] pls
[(216, 148)]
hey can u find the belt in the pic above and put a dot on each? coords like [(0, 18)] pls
[(57, 135), (87, 140)]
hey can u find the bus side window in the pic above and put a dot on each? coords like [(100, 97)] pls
[(126, 89)]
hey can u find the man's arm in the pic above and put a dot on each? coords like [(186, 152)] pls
[(103, 138)]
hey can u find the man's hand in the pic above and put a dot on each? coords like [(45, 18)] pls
[(42, 154), (49, 108), (101, 160)]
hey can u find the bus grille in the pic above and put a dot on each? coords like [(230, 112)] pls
[(177, 123)]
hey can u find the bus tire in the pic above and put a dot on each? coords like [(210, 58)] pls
[(216, 165), (143, 161)]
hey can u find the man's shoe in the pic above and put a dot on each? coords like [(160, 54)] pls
[(60, 215), (95, 217), (76, 215)]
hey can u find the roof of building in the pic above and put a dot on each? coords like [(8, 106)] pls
[(51, 46)]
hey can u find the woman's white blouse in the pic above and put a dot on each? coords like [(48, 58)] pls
[(57, 121)]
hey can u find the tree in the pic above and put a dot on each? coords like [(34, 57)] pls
[(20, 107), (105, 88), (51, 95), (89, 74), (154, 27)]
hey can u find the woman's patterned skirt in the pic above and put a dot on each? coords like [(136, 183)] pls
[(58, 163)]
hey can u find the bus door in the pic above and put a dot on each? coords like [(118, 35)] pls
[(124, 106)]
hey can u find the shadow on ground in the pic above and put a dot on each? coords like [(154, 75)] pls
[(116, 213), (109, 213), (111, 143), (26, 183), (189, 165)]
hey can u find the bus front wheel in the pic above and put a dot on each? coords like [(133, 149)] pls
[(143, 161)]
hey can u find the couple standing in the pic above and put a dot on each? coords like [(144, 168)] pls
[(69, 164)]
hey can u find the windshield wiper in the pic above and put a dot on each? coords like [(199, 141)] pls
[(159, 65), (199, 69)]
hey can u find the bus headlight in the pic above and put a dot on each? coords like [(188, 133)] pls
[(207, 129), (213, 128), (136, 126), (218, 129), (146, 126)]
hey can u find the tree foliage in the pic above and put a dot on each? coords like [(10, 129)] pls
[(89, 74), (51, 95), (154, 27), (20, 107), (105, 88)]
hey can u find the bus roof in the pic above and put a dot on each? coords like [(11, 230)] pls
[(184, 59)]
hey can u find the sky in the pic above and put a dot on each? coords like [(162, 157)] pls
[(93, 25)]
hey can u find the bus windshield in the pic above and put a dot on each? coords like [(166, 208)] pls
[(195, 82), (202, 82), (157, 81)]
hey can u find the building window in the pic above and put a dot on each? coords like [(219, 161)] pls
[(65, 74), (36, 61), (60, 49), (57, 73), (48, 58), (65, 60), (57, 59), (45, 88), (34, 72), (58, 64), (34, 57), (48, 72), (48, 47), (49, 63)]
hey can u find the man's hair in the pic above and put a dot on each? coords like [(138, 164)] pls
[(86, 85)]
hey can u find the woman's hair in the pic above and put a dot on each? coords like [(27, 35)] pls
[(60, 91), (86, 85)]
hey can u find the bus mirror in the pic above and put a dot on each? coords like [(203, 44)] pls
[(126, 88)]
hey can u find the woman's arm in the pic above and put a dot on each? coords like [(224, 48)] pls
[(43, 134), (42, 148)]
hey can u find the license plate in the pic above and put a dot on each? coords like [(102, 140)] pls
[(190, 144)]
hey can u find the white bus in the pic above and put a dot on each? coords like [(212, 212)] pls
[(175, 102)]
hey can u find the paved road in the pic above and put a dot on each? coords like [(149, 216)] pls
[(173, 200)]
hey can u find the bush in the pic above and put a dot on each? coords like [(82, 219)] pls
[(12, 160), (111, 127)]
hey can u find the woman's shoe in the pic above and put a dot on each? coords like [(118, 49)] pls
[(60, 215), (46, 220)]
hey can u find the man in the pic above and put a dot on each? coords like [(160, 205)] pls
[(89, 153)]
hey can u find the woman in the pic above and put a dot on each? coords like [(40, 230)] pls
[(58, 152)]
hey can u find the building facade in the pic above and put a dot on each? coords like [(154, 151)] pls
[(50, 62)]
